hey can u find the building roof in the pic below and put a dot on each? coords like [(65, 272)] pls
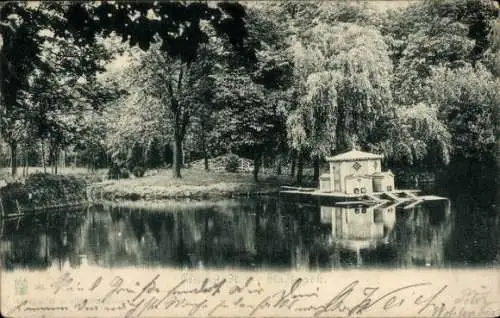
[(354, 155)]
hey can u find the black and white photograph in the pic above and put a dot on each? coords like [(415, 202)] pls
[(250, 158)]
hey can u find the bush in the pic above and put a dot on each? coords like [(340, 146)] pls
[(58, 183), (139, 171), (114, 171), (118, 171), (124, 174), (153, 154), (135, 156), (233, 163), (42, 189)]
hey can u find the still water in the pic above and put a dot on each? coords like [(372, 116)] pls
[(262, 233)]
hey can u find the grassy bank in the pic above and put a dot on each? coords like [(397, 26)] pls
[(42, 190), (160, 185), (79, 172), (195, 184)]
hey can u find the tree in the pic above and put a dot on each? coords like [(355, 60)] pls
[(176, 25), (247, 122), (412, 136), (153, 154), (343, 85), (433, 33), (252, 100), (468, 99), (178, 87), (49, 80)]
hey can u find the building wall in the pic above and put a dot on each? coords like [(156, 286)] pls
[(382, 184), (350, 224), (335, 183), (388, 182), (324, 183), (351, 183), (346, 168)]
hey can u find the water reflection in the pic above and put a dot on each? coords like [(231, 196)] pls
[(387, 233), (262, 233)]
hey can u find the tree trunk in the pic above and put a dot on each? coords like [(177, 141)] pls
[(25, 163), (13, 158), (205, 160), (177, 157), (316, 169), (56, 160), (205, 152), (256, 165), (43, 157), (300, 168), (293, 164), (63, 159), (278, 165)]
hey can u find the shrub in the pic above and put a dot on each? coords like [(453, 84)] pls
[(233, 163), (114, 171), (124, 174), (42, 189), (135, 156), (139, 171), (153, 154)]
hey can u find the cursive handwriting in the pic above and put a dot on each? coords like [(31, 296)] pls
[(250, 297)]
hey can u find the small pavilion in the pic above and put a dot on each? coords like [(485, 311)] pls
[(356, 172)]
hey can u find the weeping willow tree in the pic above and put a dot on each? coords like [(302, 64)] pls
[(414, 135), (343, 77)]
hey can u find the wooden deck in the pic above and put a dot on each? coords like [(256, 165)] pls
[(404, 195)]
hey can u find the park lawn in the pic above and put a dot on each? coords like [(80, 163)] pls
[(159, 184), (195, 183)]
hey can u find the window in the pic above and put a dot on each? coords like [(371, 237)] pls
[(356, 190), (363, 190), (389, 188), (356, 166)]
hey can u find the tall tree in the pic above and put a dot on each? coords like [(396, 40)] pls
[(468, 99), (412, 135), (179, 87), (176, 25), (343, 78), (433, 33)]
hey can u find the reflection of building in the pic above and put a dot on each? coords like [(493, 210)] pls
[(360, 227), (356, 172)]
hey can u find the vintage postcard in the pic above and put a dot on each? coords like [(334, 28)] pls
[(249, 158)]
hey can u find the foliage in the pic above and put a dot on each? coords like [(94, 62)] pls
[(233, 163), (139, 171), (153, 154), (135, 157), (58, 183), (41, 189), (468, 99), (118, 171), (418, 84), (433, 33), (413, 137), (343, 75)]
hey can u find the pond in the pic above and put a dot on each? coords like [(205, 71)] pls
[(263, 233)]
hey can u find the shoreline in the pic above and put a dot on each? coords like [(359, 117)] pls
[(111, 191)]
